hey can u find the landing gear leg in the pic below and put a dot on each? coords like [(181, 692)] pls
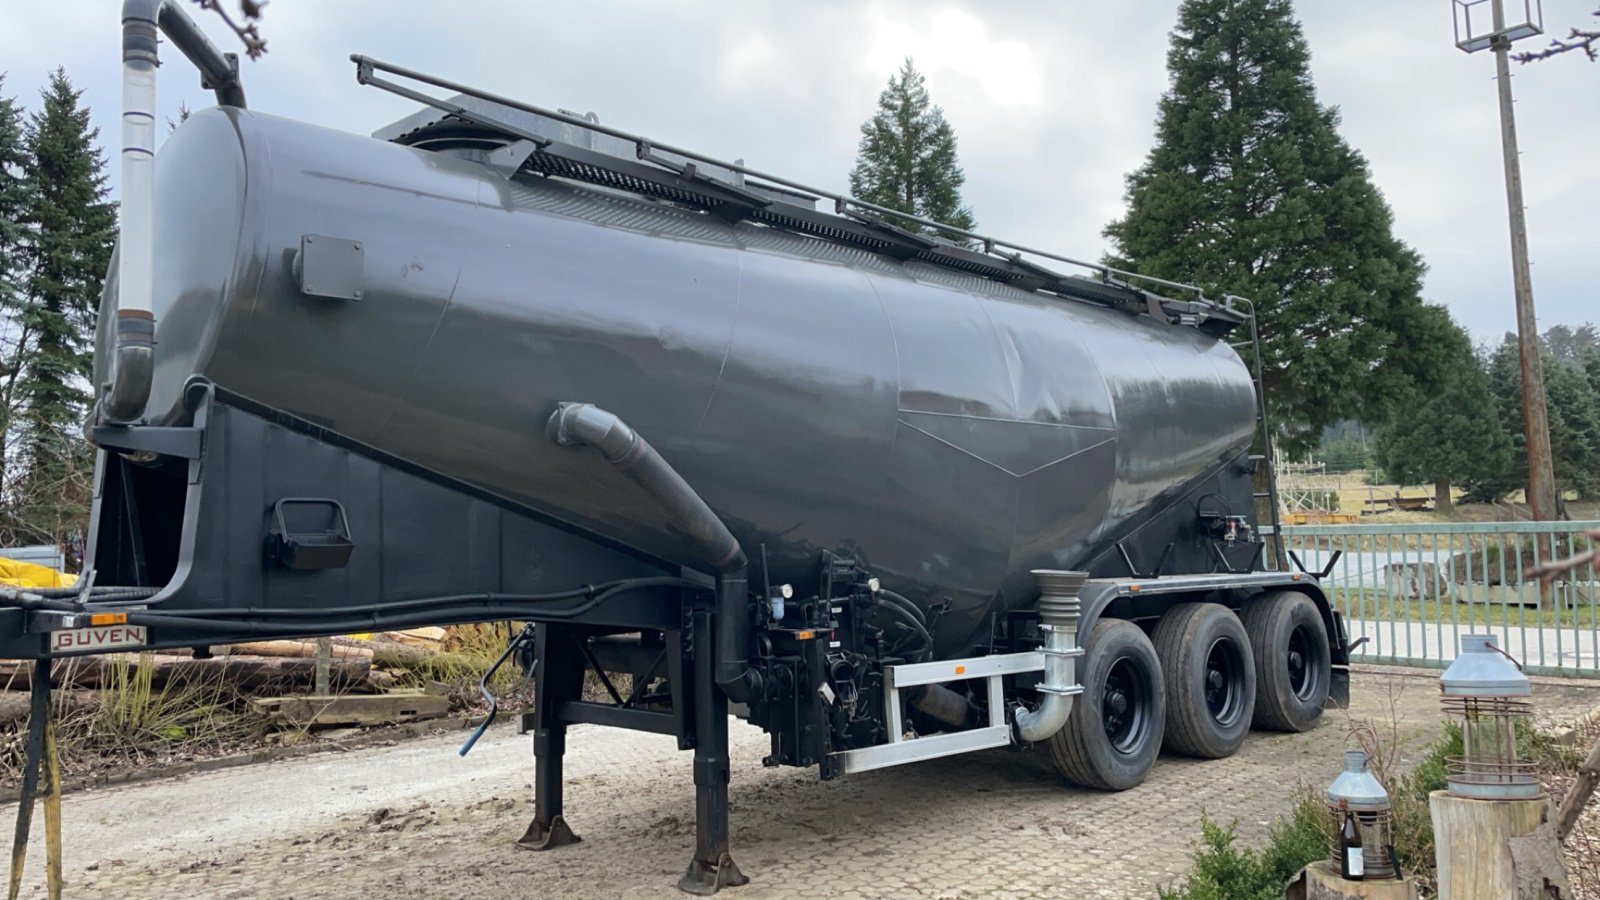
[(558, 677), (712, 868)]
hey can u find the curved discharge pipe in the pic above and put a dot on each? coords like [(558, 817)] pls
[(1058, 618), (584, 424)]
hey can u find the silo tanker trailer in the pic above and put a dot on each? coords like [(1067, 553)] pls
[(887, 490)]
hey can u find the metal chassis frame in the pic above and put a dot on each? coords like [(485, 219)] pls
[(901, 749)]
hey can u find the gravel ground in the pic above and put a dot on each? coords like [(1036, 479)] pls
[(415, 820)]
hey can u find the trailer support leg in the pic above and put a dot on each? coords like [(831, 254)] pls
[(713, 867), (558, 677)]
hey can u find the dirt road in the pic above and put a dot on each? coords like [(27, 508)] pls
[(415, 820)]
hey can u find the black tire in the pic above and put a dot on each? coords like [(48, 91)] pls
[(1114, 733), (1210, 677), (1294, 667)]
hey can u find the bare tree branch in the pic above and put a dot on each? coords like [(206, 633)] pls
[(1548, 571), (254, 44), (1578, 39)]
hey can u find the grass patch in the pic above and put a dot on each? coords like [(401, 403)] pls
[(466, 654), (129, 721), (1375, 604)]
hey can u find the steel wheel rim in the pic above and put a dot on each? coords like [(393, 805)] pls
[(1305, 676), (1125, 705), (1224, 682)]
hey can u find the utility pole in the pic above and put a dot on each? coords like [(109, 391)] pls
[(1535, 421)]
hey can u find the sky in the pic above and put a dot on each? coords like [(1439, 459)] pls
[(1053, 102)]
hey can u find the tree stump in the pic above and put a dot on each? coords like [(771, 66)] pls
[(1321, 881), (1496, 849)]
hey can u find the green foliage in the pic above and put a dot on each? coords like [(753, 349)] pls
[(1225, 871), (1572, 404), (1346, 454), (56, 234), (69, 250), (907, 157), (1250, 190), (1451, 435), (14, 201)]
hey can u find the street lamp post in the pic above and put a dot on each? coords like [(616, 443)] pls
[(1471, 36)]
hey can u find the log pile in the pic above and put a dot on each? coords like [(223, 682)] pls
[(245, 672), (357, 666)]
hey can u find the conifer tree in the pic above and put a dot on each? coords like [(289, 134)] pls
[(1574, 414), (13, 268), (1451, 436), (69, 231), (907, 157), (1250, 190)]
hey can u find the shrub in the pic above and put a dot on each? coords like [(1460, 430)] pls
[(1225, 871)]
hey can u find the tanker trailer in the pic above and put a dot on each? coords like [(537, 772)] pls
[(887, 494)]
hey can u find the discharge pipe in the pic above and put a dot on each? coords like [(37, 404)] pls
[(1058, 619), (587, 425), (135, 323)]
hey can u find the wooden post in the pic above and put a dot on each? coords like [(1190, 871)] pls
[(1321, 881), (324, 665), (1578, 797), (1496, 849)]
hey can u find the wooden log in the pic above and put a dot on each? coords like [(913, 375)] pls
[(1495, 849), (241, 672), (357, 709), (14, 704), (428, 638), (393, 653), (308, 649), (1321, 881)]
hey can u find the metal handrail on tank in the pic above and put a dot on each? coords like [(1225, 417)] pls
[(648, 149)]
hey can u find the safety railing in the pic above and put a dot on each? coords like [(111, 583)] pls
[(1409, 591)]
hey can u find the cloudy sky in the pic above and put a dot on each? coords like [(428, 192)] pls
[(1053, 101)]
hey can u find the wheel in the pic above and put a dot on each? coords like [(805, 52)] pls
[(1210, 678), (1114, 733), (1294, 667)]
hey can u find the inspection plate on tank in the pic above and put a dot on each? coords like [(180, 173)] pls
[(104, 637)]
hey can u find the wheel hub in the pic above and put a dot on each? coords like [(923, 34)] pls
[(1124, 706)]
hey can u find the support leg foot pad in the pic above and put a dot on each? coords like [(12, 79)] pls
[(548, 836), (706, 878)]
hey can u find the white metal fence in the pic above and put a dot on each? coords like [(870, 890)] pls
[(1408, 592)]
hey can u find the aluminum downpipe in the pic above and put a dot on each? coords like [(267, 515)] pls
[(125, 396), (1058, 619), (143, 21), (584, 424)]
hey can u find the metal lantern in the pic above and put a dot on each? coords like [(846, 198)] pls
[(1486, 690), (1357, 790)]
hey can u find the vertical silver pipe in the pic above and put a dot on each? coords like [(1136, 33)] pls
[(1058, 619), (135, 320)]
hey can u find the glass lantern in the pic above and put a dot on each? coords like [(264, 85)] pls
[(1357, 790), (1486, 692)]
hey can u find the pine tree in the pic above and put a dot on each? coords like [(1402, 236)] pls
[(70, 229), (1449, 437), (1573, 412), (13, 207), (1575, 443), (907, 158), (1250, 190)]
